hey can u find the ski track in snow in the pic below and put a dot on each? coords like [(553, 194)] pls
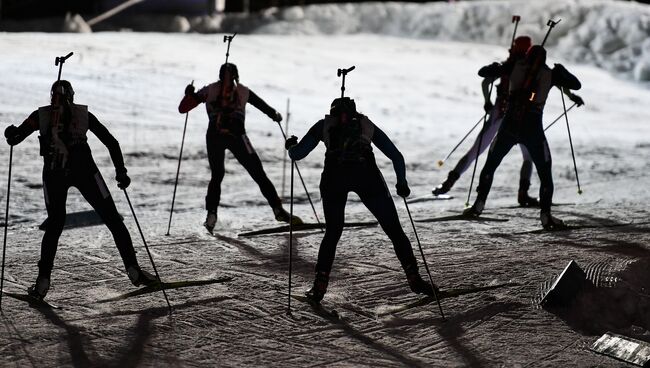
[(425, 95)]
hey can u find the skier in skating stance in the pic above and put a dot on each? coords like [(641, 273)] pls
[(350, 167), (530, 82), (225, 102), (496, 112), (68, 162)]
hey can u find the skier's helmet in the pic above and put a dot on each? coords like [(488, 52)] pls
[(231, 69), (343, 105), (520, 46), (536, 55), (62, 88)]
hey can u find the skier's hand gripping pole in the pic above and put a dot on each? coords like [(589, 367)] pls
[(153, 264), (6, 224), (426, 266), (575, 167), (303, 184), (344, 72), (293, 164), (178, 170)]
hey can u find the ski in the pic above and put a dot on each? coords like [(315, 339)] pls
[(462, 217), (34, 302), (318, 308), (301, 227), (79, 219), (430, 197), (168, 285), (442, 294)]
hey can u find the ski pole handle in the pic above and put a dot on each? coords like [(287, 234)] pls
[(340, 72), (550, 25), (62, 59)]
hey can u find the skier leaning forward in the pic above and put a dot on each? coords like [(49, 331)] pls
[(68, 162), (350, 167), (490, 73), (530, 82), (225, 102)]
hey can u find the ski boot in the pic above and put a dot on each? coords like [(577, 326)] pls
[(552, 223), (419, 286), (317, 292), (475, 210), (210, 220), (283, 216), (525, 200), (447, 184), (39, 289), (139, 277)]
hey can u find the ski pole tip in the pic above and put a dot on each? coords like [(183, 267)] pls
[(440, 163), (466, 204), (580, 191)]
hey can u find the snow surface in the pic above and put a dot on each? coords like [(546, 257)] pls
[(425, 94)]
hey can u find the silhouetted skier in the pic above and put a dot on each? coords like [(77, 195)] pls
[(350, 167), (530, 82), (68, 162), (496, 112), (225, 102)]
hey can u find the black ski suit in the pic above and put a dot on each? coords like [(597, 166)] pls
[(80, 171), (226, 130), (350, 167), (522, 124)]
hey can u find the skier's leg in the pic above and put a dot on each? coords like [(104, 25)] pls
[(500, 148), (216, 156), (93, 188), (246, 155), (524, 180), (55, 191), (375, 196), (541, 156), (334, 198)]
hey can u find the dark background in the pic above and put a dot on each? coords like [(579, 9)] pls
[(26, 9)]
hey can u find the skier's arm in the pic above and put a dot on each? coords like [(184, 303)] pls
[(16, 134), (109, 141), (256, 101), (308, 142), (192, 99), (386, 146), (492, 71)]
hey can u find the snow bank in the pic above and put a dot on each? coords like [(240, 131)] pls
[(610, 34)]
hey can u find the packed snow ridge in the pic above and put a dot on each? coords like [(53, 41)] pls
[(613, 35)]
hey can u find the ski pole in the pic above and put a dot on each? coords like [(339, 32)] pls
[(178, 170), (559, 117), (290, 239), (550, 25), (478, 149), (426, 266), (59, 60), (4, 243), (442, 162), (155, 270), (303, 184), (229, 40), (515, 20), (344, 72), (284, 158), (566, 117)]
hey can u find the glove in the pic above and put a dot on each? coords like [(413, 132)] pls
[(403, 189), (11, 133), (488, 106), (277, 117), (577, 99), (292, 141), (123, 180), (189, 90)]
